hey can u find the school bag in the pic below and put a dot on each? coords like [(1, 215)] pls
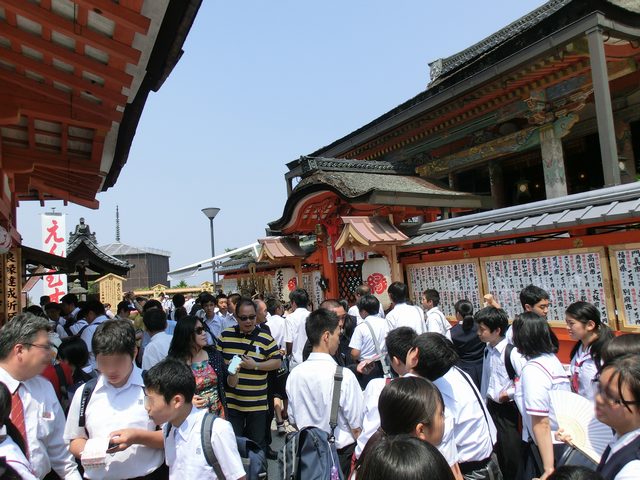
[(310, 454), (252, 456)]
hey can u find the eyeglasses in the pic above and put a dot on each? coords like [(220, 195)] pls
[(198, 330), (244, 318), (602, 391), (48, 346)]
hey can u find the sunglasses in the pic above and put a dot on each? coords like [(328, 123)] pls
[(244, 318), (199, 330)]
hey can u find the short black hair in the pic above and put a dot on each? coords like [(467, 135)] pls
[(620, 346), (399, 341), (493, 318), (114, 337), (436, 355), (178, 300), (272, 305), (94, 306), (234, 298), (169, 378), (398, 292), (530, 295), (220, 297), (532, 335), (318, 322), (155, 320), (626, 370), (244, 302), (53, 306), (432, 295), (123, 306), (574, 472), (74, 350), (369, 304), (69, 299), (150, 304), (300, 297), (207, 298)]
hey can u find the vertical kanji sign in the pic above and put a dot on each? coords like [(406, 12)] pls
[(54, 241), (12, 282)]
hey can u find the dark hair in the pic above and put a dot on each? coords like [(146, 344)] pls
[(45, 299), (178, 300), (583, 312), (5, 412), (207, 298), (150, 304), (155, 320), (272, 305), (465, 309), (433, 296), (344, 304), (123, 306), (300, 297), (574, 472), (184, 338), (403, 457), (362, 290), (35, 310), (221, 296), (493, 318), (94, 306), (318, 322), (398, 292), (369, 304), (69, 298), (436, 355), (169, 378), (74, 350), (627, 369), (114, 337), (244, 302), (52, 306), (179, 313), (234, 298), (530, 295), (620, 346), (399, 341), (532, 335)]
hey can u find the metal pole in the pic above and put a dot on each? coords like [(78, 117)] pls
[(213, 254)]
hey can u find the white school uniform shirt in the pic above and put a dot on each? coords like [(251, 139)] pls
[(584, 369), (277, 325), (363, 341), (354, 312), (184, 454), (156, 350), (539, 376), (310, 391), (404, 315), (474, 432), (110, 409), (87, 336), (437, 322), (15, 458), (296, 333), (631, 471), (44, 422), (495, 378)]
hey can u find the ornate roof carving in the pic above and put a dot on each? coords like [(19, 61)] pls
[(311, 165)]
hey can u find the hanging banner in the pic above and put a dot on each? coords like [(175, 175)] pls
[(54, 241), (286, 281), (376, 272)]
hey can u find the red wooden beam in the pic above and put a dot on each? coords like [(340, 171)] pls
[(120, 15), (23, 160), (63, 194), (85, 35)]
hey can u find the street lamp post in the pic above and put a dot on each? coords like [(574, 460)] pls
[(211, 214)]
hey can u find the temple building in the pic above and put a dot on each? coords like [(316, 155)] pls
[(150, 266)]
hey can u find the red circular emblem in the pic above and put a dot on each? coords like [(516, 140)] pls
[(292, 284), (377, 283)]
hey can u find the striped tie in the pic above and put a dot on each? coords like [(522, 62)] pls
[(17, 416)]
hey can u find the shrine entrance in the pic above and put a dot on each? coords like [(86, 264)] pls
[(349, 279)]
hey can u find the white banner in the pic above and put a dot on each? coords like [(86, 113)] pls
[(54, 241)]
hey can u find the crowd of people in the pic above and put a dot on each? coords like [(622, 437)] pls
[(177, 389)]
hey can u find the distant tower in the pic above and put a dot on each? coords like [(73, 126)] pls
[(117, 224)]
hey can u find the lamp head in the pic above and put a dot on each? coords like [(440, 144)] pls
[(210, 212)]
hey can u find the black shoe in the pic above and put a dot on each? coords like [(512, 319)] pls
[(272, 454)]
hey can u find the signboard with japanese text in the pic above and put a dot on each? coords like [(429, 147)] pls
[(625, 268), (568, 276), (3, 312), (110, 288), (311, 283), (12, 283), (454, 280), (54, 241)]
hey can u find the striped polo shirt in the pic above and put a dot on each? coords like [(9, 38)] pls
[(250, 395)]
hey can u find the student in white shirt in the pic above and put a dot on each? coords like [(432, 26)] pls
[(296, 335), (115, 411), (155, 322), (591, 335), (24, 353), (497, 387), (403, 314), (354, 311), (618, 405), (170, 386), (310, 388), (94, 314), (435, 319), (474, 432), (542, 373), (12, 446), (533, 299), (367, 341)]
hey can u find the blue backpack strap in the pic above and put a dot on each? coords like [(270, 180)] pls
[(87, 391), (511, 372), (207, 449)]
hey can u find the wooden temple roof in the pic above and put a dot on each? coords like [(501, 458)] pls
[(363, 231), (74, 78)]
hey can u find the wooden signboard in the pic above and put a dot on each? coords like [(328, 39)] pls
[(454, 280), (625, 268), (110, 288), (12, 276), (568, 276)]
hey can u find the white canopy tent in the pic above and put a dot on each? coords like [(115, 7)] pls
[(208, 263)]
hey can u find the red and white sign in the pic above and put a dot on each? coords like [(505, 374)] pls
[(54, 241), (376, 272)]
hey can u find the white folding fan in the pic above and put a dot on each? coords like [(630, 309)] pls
[(575, 415)]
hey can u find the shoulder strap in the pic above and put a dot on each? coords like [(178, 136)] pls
[(335, 402), (84, 327), (62, 379), (87, 391), (507, 362), (207, 448), (475, 392), (383, 359)]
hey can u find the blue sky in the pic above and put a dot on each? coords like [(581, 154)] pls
[(261, 83)]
